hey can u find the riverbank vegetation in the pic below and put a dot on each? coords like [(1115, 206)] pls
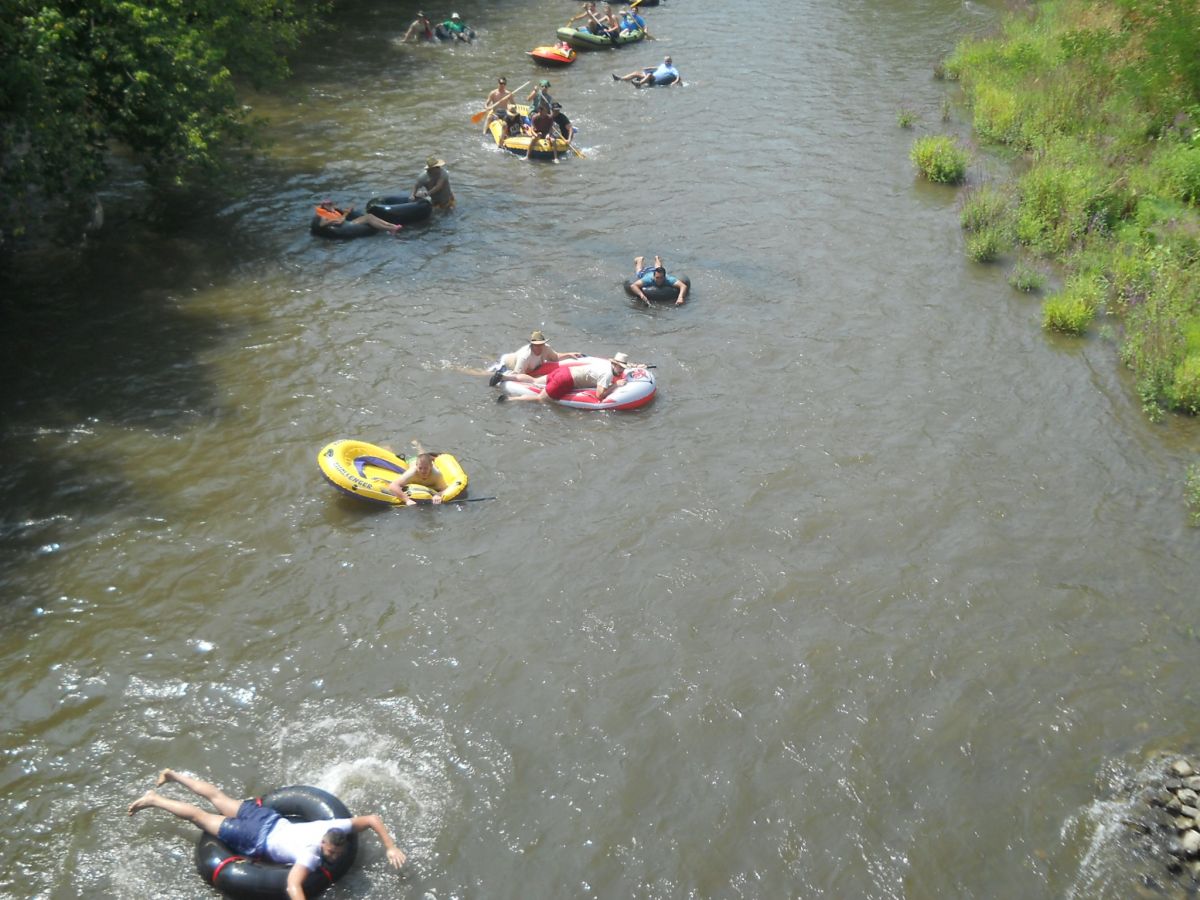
[(1101, 98), (156, 79)]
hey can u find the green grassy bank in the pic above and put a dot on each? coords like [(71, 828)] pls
[(1102, 98)]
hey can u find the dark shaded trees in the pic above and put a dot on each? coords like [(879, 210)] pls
[(156, 76)]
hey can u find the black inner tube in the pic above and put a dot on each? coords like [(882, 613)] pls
[(258, 879)]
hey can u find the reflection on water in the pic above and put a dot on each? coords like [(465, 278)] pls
[(859, 607)]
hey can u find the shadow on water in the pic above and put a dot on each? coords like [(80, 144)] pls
[(109, 336)]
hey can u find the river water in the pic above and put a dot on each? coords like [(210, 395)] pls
[(878, 597)]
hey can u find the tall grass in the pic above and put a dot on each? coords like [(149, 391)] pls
[(1103, 97)]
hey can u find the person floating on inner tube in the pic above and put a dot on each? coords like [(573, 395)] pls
[(520, 364), (420, 30), (604, 376), (250, 829), (330, 217), (665, 74), (647, 276), (424, 472), (434, 184), (454, 28)]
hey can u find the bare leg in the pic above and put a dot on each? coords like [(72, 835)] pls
[(377, 223), (225, 804), (206, 821), (639, 263)]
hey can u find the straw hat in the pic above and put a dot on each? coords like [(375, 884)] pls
[(537, 338), (621, 360), (433, 162)]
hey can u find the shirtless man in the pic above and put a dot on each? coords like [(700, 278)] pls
[(420, 30), (424, 472), (249, 829), (586, 16), (500, 97)]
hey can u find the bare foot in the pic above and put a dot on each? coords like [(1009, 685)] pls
[(164, 776), (147, 799)]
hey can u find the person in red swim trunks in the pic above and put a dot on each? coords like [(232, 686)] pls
[(603, 376)]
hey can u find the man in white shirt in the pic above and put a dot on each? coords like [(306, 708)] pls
[(521, 364), (253, 830)]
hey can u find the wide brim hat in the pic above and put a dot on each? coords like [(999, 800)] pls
[(537, 338), (434, 162), (621, 360)]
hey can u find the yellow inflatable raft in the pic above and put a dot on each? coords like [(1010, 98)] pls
[(365, 470), (543, 148)]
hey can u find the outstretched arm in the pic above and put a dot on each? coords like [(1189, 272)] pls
[(636, 287), (295, 881), (395, 855)]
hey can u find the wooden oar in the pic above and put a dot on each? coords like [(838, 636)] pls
[(478, 117), (574, 149)]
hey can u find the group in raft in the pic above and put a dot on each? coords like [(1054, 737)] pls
[(537, 129), (289, 844), (605, 29)]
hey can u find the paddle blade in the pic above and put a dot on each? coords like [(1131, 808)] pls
[(476, 118)]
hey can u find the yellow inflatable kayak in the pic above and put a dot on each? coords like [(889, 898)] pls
[(365, 470)]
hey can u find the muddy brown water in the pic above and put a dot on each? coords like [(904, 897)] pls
[(870, 602)]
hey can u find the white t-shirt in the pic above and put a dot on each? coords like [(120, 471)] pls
[(525, 363), (300, 842), (598, 375)]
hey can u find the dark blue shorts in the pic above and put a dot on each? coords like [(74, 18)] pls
[(247, 833)]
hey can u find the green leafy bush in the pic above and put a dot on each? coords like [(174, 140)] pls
[(985, 206), (1177, 170), (1184, 392), (939, 158), (1026, 278), (986, 244), (1192, 492), (1073, 308), (1069, 315), (996, 114), (905, 118)]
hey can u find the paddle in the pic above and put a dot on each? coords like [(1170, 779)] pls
[(476, 118), (574, 149)]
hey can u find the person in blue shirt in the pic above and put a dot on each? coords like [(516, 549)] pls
[(665, 74), (655, 276), (631, 21)]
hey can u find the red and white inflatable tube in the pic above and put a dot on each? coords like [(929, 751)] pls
[(636, 388)]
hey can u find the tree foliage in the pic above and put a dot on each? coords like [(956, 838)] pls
[(156, 76)]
